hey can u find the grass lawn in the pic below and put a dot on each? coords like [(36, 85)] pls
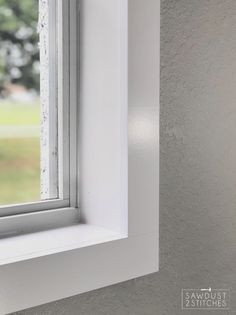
[(19, 157), (19, 114), (19, 170)]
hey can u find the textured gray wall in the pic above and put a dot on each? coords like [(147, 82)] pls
[(198, 168)]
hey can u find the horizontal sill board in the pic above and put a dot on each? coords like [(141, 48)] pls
[(34, 245)]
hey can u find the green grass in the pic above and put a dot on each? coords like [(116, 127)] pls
[(19, 157), (19, 114), (19, 170)]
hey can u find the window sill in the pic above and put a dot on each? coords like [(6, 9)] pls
[(38, 244)]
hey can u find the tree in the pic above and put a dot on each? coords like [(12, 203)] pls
[(19, 50)]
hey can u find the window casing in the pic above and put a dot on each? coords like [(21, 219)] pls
[(119, 214)]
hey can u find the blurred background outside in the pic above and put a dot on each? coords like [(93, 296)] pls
[(19, 102)]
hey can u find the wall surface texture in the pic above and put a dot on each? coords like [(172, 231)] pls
[(198, 168)]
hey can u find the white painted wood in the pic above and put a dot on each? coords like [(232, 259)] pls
[(33, 207), (38, 281), (47, 242), (74, 104), (94, 262), (33, 222), (103, 114), (143, 87), (53, 101), (64, 98)]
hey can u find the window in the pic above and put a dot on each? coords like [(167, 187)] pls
[(19, 102), (116, 236), (37, 108)]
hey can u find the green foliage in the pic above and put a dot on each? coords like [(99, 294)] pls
[(19, 52)]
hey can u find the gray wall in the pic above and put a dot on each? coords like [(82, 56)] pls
[(198, 168)]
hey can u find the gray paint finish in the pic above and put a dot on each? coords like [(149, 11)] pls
[(198, 168)]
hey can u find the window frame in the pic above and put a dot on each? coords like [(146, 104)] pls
[(65, 95), (50, 265)]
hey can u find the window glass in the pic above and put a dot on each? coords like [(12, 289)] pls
[(24, 123)]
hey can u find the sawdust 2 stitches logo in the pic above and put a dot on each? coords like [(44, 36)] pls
[(208, 299)]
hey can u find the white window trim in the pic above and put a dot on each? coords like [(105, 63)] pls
[(53, 264)]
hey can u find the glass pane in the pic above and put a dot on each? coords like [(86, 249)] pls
[(21, 138)]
